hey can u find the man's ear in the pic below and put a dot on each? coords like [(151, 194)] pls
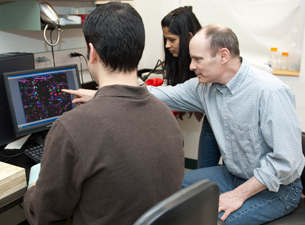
[(224, 55), (92, 53)]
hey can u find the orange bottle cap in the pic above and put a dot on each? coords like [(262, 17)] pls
[(285, 53), (274, 49)]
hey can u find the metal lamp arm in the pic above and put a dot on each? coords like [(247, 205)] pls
[(45, 37)]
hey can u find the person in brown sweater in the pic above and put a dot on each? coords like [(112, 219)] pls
[(110, 160)]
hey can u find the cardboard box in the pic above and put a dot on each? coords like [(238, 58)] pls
[(12, 183)]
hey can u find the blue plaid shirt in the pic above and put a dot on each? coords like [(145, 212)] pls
[(253, 119)]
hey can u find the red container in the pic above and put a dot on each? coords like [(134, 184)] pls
[(83, 17)]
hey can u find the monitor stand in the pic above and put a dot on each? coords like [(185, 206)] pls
[(39, 137)]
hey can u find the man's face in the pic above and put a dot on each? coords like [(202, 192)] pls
[(207, 68)]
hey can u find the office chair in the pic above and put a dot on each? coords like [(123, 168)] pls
[(297, 216), (195, 204)]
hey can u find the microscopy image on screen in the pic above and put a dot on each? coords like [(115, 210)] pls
[(42, 97)]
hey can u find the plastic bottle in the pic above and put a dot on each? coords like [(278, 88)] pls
[(274, 59), (294, 61), (284, 61)]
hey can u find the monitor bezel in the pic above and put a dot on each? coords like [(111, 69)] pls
[(40, 127)]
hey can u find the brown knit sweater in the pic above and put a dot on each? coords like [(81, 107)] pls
[(108, 161)]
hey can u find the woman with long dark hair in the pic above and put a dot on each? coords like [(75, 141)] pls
[(178, 28)]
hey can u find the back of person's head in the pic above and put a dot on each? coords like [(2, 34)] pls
[(180, 22), (221, 37), (116, 31)]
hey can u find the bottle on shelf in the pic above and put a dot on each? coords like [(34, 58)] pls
[(294, 61), (273, 60), (284, 61)]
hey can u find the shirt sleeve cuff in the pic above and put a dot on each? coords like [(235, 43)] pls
[(273, 184), (34, 174)]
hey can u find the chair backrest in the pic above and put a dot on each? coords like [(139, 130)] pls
[(195, 204)]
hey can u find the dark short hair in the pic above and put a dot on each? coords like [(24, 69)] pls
[(222, 37), (116, 31), (180, 22)]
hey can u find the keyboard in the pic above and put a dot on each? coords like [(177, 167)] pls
[(35, 153)]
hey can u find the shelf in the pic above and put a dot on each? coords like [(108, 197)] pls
[(71, 26), (65, 26), (286, 73), (24, 15)]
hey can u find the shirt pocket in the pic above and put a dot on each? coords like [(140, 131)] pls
[(246, 139)]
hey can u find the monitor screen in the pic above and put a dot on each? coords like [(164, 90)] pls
[(35, 97)]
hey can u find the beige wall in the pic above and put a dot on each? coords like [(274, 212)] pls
[(152, 11)]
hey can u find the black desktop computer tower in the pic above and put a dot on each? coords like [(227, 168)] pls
[(10, 62)]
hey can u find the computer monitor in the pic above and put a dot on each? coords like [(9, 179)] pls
[(35, 97)]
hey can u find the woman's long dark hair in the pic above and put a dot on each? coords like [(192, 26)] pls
[(180, 22)]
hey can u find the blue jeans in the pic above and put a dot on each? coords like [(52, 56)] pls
[(208, 152), (263, 207)]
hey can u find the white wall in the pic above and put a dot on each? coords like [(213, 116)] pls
[(260, 25), (32, 41), (152, 12), (153, 9)]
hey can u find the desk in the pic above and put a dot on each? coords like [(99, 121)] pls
[(21, 161)]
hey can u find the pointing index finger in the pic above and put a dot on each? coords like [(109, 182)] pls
[(73, 92)]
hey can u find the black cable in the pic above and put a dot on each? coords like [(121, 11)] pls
[(52, 46), (19, 152), (81, 70), (159, 63), (87, 65), (76, 54), (12, 156), (85, 59)]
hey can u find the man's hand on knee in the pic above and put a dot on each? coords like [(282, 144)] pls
[(232, 200), (229, 202)]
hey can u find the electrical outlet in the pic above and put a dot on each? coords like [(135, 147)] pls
[(61, 58), (64, 58)]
